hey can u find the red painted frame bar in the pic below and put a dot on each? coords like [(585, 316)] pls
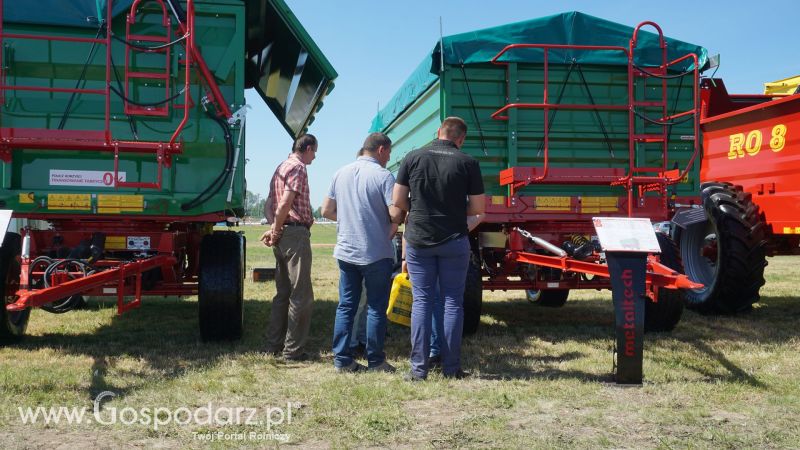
[(657, 274), (39, 297), (545, 105)]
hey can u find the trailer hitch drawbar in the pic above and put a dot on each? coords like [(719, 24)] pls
[(656, 273), (635, 278)]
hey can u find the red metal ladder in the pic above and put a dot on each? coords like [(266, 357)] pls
[(161, 45), (660, 176)]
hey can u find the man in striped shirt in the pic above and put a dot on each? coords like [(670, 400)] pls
[(290, 239)]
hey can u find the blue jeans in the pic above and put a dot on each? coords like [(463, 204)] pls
[(445, 265), (437, 326), (359, 333), (376, 277)]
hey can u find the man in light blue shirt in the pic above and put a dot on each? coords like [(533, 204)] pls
[(360, 200)]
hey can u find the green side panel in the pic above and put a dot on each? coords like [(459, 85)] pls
[(576, 137), (59, 64), (416, 127), (28, 179)]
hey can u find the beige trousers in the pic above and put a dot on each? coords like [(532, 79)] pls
[(290, 317)]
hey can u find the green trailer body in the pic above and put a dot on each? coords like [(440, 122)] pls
[(478, 88), (244, 43), (121, 150), (614, 138)]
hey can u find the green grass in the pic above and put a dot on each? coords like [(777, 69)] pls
[(542, 376)]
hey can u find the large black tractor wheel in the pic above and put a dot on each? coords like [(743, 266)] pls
[(12, 324), (665, 313), (551, 298), (727, 252), (473, 296), (221, 286)]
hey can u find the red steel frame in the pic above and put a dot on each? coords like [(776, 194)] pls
[(553, 226), (175, 252)]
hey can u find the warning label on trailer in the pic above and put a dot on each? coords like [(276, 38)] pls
[(92, 178)]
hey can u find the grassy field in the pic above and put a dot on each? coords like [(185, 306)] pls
[(541, 377)]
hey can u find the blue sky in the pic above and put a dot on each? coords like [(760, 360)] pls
[(374, 46)]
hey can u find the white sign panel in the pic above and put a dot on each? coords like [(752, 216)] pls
[(88, 178), (625, 234), (5, 219)]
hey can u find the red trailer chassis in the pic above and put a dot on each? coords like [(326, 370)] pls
[(131, 250)]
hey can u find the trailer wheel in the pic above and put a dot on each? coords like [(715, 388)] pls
[(664, 314), (221, 286), (473, 296), (551, 298), (12, 324), (726, 253)]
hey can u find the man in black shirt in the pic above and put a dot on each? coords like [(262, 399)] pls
[(445, 186)]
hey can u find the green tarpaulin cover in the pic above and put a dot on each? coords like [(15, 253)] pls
[(77, 13), (574, 28)]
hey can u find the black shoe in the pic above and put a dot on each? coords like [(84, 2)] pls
[(412, 378), (352, 368), (458, 375), (383, 367), (297, 358), (435, 362)]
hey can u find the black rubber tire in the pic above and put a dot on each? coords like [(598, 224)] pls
[(735, 275), (551, 298), (221, 286), (664, 314), (12, 324), (473, 296)]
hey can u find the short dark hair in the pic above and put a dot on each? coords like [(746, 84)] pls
[(302, 143), (454, 127), (375, 140)]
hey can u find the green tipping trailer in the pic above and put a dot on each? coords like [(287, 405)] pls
[(615, 147), (122, 128)]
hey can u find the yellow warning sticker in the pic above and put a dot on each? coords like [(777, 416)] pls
[(115, 204), (498, 199), (78, 202), (26, 197), (553, 203), (116, 242), (592, 205)]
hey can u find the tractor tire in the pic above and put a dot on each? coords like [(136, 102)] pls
[(221, 286), (727, 253), (12, 324), (551, 298), (665, 313), (473, 296)]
